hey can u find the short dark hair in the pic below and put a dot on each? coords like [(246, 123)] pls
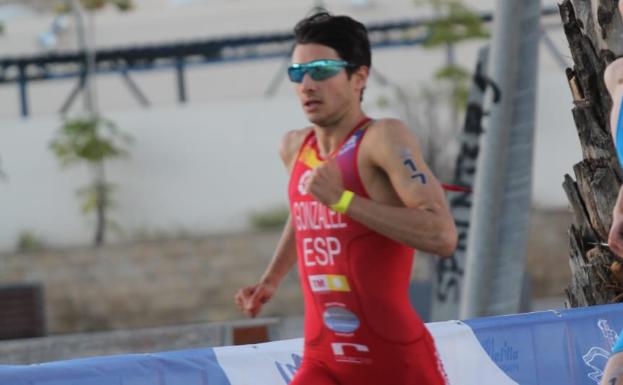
[(347, 36)]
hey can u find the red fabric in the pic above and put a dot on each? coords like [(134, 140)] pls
[(360, 327), (453, 187)]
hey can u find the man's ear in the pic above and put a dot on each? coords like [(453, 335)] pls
[(360, 76)]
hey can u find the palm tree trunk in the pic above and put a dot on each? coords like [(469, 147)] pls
[(589, 27)]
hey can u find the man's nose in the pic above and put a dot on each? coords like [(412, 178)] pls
[(308, 83)]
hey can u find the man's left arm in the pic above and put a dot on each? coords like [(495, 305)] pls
[(424, 222)]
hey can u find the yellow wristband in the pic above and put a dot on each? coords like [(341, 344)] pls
[(342, 205)]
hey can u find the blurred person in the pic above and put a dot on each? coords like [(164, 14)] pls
[(361, 199), (613, 77), (613, 373)]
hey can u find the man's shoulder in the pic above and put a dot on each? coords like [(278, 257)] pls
[(291, 143), (297, 134), (292, 140), (386, 137), (388, 130)]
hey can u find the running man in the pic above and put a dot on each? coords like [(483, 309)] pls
[(361, 199), (613, 77)]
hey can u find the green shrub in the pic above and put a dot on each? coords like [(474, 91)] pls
[(270, 218), (28, 242)]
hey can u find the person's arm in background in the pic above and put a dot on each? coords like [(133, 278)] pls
[(613, 78), (615, 237), (250, 299)]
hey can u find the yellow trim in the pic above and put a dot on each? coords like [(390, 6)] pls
[(309, 158), (342, 205)]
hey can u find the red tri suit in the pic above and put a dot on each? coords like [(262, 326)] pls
[(360, 328)]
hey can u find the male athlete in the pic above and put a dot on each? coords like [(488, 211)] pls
[(613, 77), (361, 199)]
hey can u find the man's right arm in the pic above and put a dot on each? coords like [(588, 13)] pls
[(285, 253), (251, 299)]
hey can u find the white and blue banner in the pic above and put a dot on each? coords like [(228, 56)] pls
[(567, 347)]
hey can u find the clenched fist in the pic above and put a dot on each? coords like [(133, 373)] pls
[(325, 183), (250, 299)]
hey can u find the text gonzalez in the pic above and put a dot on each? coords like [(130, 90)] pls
[(313, 215)]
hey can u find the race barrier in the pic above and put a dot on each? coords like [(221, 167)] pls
[(566, 347)]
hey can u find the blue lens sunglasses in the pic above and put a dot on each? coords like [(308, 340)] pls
[(317, 69)]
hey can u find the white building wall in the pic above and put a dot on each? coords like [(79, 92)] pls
[(197, 169)]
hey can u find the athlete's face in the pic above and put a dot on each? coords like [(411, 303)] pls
[(326, 102)]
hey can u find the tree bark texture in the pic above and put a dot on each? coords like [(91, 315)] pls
[(594, 32)]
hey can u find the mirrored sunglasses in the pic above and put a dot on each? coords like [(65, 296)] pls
[(317, 69)]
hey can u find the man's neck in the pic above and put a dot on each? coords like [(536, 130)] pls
[(330, 137)]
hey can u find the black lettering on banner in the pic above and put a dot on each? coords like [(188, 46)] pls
[(482, 81), (473, 117), (463, 199), (450, 271), (462, 228)]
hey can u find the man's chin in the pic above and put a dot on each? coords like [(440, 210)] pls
[(315, 119), (322, 120)]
